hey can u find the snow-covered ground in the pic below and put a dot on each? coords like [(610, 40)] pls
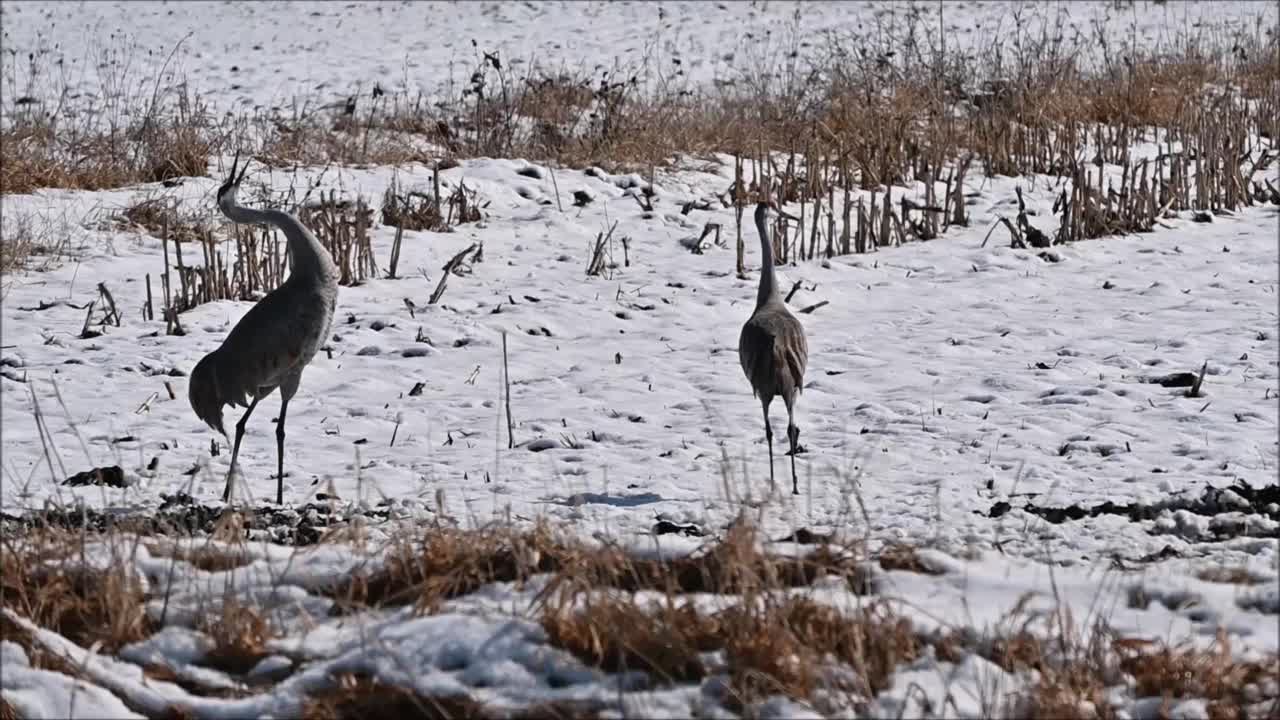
[(943, 377), (950, 383), (283, 55), (489, 645)]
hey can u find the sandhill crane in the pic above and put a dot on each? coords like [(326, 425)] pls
[(773, 350), (272, 344)]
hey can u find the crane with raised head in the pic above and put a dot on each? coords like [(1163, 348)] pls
[(772, 348), (273, 343)]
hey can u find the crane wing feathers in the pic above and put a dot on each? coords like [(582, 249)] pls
[(269, 344), (773, 352)]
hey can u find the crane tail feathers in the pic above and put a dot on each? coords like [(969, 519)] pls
[(204, 393)]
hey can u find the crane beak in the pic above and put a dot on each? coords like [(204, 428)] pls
[(235, 164), (233, 180)]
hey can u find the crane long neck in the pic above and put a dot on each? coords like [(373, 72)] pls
[(768, 283), (307, 256)]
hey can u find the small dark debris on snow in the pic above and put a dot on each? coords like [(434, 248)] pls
[(666, 527), (1173, 380), (805, 536), (111, 476), (540, 444), (1166, 552), (530, 171)]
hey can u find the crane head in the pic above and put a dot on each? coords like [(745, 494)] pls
[(232, 182)]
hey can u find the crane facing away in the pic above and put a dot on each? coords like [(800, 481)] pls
[(273, 343), (773, 350)]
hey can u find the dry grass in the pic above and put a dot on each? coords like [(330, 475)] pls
[(19, 243), (38, 151), (415, 210), (875, 113), (730, 611), (446, 562), (616, 634), (37, 655), (1230, 575), (240, 635), (358, 697), (210, 558), (733, 564), (1075, 678), (771, 645), (905, 557), (1212, 674), (43, 579), (784, 647), (159, 217)]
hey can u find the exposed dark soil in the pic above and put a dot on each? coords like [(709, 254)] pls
[(182, 515), (1238, 500)]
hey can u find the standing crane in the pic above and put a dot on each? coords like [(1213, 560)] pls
[(273, 343), (773, 350)]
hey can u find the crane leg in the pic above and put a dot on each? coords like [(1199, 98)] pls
[(793, 437), (793, 434), (284, 408), (235, 449), (768, 436)]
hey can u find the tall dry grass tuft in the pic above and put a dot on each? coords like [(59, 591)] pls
[(239, 633), (618, 634), (44, 578), (21, 244), (86, 152), (357, 697), (796, 647), (1211, 674), (443, 563)]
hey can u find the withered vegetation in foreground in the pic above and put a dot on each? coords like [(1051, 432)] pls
[(731, 613)]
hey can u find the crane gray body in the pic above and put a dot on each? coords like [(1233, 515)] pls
[(773, 350), (273, 343)]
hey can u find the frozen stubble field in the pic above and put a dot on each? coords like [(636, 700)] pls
[(944, 377), (961, 394)]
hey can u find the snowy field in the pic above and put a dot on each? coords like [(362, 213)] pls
[(983, 401), (286, 56), (944, 377)]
